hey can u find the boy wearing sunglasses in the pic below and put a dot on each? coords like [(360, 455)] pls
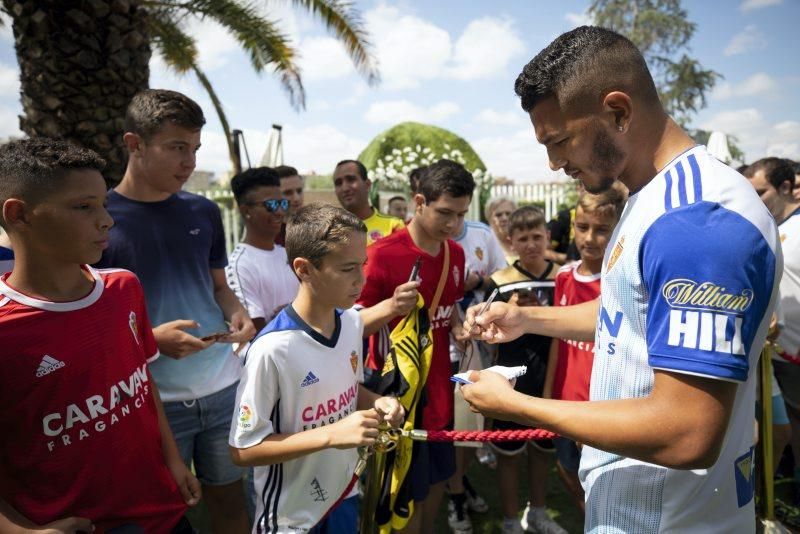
[(258, 270)]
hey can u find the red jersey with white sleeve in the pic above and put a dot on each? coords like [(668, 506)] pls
[(575, 358), (77, 407), (389, 264)]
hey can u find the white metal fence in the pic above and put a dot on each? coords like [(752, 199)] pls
[(551, 195)]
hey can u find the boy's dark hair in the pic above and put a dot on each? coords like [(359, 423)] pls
[(285, 171), (362, 171), (396, 198), (246, 181), (776, 171), (581, 66), (314, 230), (31, 169), (445, 176), (741, 168), (608, 202), (151, 108), (414, 178), (526, 218)]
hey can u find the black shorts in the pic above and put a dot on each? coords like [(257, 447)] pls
[(431, 463), (513, 448)]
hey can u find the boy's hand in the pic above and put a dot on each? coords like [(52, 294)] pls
[(357, 429), (187, 483), (390, 409), (490, 394), (242, 329), (500, 323), (67, 525), (172, 341), (405, 298)]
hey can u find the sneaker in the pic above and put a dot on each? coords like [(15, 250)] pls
[(537, 520), (511, 526), (457, 516), (475, 502)]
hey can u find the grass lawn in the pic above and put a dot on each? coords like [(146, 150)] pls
[(483, 479)]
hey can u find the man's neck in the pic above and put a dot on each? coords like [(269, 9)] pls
[(421, 238), (43, 279), (135, 187), (264, 242), (364, 212), (788, 209), (590, 268), (659, 144), (535, 267), (318, 315)]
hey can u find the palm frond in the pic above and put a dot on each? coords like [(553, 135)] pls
[(346, 23), (261, 40)]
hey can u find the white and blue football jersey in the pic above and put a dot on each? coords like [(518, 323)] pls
[(295, 380), (689, 282)]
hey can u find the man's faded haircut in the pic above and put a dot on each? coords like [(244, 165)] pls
[(150, 109), (31, 169), (316, 229), (581, 66), (776, 171)]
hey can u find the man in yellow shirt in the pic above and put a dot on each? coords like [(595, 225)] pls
[(352, 189)]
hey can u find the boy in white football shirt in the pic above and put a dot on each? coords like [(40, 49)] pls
[(301, 408)]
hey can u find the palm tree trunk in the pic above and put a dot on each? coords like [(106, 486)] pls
[(81, 62)]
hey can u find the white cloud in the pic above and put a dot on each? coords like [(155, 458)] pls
[(748, 39), (502, 118), (484, 49), (394, 111), (750, 5), (409, 49), (759, 84), (518, 156), (323, 58), (9, 81), (579, 19), (756, 136), (9, 122)]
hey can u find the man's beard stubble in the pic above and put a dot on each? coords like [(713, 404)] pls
[(606, 159)]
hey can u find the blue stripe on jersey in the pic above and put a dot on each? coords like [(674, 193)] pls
[(668, 191), (683, 200), (698, 184), (6, 254), (707, 292)]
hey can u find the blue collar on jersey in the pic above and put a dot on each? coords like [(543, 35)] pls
[(288, 319), (6, 253)]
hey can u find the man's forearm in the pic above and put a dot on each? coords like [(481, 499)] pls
[(576, 322), (227, 301), (376, 316)]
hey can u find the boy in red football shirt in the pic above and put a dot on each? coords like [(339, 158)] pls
[(87, 445), (569, 366), (440, 203)]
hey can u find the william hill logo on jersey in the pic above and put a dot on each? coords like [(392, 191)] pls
[(705, 315)]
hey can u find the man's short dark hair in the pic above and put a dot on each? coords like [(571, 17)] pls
[(246, 181), (285, 171), (583, 65), (446, 176), (31, 169), (151, 108), (742, 168), (398, 197), (362, 171), (316, 229), (414, 178), (776, 171)]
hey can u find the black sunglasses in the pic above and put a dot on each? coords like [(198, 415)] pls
[(272, 205)]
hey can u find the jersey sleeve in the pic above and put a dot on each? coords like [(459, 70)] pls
[(245, 283), (217, 257), (141, 323), (709, 273), (257, 396), (374, 290), (558, 290), (360, 329), (497, 258)]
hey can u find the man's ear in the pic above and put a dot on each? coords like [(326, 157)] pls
[(15, 213), (786, 188), (619, 107), (302, 268), (133, 142)]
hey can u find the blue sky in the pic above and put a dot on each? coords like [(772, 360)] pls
[(453, 64)]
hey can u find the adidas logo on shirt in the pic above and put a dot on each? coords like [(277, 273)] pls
[(309, 379), (48, 365)]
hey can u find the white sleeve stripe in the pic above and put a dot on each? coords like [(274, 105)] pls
[(154, 357)]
